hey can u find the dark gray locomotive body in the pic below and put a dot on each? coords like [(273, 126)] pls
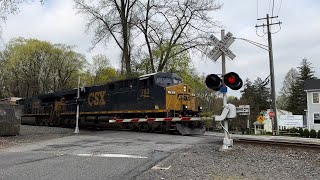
[(157, 95)]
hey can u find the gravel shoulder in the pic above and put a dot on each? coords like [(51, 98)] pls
[(33, 134), (244, 161)]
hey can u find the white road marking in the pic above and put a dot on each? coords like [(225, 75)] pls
[(113, 155), (160, 168)]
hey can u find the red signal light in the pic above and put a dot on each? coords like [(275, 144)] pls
[(231, 80)]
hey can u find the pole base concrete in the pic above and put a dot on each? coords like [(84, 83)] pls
[(227, 144), (76, 130)]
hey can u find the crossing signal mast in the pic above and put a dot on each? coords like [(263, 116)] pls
[(231, 80)]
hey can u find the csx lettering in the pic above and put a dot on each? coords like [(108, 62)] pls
[(96, 98)]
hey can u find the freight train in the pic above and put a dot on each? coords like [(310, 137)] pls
[(157, 102)]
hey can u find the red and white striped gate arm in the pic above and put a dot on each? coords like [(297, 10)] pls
[(175, 119)]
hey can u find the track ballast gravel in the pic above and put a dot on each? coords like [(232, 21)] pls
[(244, 161)]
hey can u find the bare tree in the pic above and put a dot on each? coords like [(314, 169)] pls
[(110, 18), (169, 24)]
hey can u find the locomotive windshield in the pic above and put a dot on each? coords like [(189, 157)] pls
[(167, 81), (177, 81)]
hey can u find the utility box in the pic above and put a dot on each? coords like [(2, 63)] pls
[(10, 119)]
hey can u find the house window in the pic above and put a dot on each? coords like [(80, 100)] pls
[(316, 118), (315, 98)]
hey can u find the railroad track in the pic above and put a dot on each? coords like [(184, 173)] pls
[(279, 143)]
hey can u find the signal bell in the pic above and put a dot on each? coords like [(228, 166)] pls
[(231, 79)]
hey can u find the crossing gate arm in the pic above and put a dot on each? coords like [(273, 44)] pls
[(175, 119)]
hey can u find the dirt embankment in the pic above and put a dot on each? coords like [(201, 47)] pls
[(34, 133)]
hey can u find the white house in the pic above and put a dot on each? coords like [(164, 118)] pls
[(312, 88)]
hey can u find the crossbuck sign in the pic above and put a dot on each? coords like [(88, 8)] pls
[(221, 46)]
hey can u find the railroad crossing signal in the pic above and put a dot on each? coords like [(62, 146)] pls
[(231, 79), (221, 46)]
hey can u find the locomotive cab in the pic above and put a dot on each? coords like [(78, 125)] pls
[(180, 98)]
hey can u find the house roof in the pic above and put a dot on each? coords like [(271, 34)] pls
[(312, 84)]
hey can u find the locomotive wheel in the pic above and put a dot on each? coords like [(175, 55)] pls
[(143, 127), (132, 127), (151, 129), (164, 129)]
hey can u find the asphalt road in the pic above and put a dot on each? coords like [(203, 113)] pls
[(92, 155)]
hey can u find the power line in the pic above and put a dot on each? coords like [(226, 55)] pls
[(278, 30), (272, 8), (279, 8), (269, 7), (262, 46), (257, 8)]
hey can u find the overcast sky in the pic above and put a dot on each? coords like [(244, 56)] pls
[(299, 37)]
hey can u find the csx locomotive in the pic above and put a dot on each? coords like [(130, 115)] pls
[(151, 102)]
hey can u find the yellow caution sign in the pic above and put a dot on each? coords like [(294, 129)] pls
[(260, 118)]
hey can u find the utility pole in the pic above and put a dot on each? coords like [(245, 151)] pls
[(77, 113), (273, 93)]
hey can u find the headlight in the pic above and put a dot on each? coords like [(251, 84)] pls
[(193, 95), (184, 88), (171, 92)]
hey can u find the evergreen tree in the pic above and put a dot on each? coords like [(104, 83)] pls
[(298, 99), (257, 95), (285, 92)]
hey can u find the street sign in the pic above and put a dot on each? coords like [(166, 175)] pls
[(221, 47), (291, 120), (260, 118), (271, 114), (243, 110)]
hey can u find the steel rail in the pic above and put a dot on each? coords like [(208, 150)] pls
[(279, 143)]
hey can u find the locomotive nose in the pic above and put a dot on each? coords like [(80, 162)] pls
[(181, 98)]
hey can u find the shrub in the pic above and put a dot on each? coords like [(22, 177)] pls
[(294, 130), (313, 133), (301, 132), (319, 134), (269, 133), (306, 133)]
